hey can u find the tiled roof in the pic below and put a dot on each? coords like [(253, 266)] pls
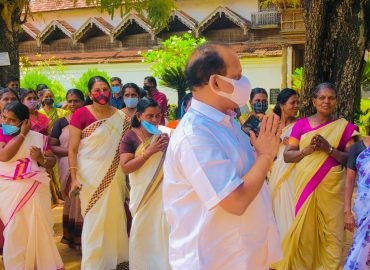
[(230, 14), (127, 19), (187, 16), (62, 25), (66, 26), (99, 22), (106, 24), (32, 28), (51, 5), (92, 57), (243, 50)]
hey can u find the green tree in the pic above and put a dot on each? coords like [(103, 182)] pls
[(81, 84), (337, 33), (43, 71), (170, 61), (13, 13)]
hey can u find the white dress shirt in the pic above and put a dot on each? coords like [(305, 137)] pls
[(206, 159)]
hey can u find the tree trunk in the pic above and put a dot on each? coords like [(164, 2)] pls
[(9, 43), (336, 37)]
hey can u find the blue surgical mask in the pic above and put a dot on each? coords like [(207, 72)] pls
[(152, 129), (116, 89), (131, 102), (9, 129)]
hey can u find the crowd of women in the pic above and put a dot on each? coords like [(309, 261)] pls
[(82, 156)]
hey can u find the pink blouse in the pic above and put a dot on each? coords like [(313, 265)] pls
[(82, 118)]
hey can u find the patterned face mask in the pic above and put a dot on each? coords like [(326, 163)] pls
[(260, 107), (101, 98)]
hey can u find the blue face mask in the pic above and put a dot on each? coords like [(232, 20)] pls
[(131, 102), (116, 89), (152, 129), (9, 129)]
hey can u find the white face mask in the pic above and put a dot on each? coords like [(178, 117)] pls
[(241, 91)]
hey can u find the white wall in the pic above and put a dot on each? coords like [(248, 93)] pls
[(262, 72)]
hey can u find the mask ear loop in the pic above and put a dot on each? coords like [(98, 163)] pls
[(20, 123), (219, 92)]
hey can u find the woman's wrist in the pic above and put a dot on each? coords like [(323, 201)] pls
[(330, 150), (42, 160), (301, 154), (145, 155)]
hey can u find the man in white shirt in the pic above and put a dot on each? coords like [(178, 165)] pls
[(215, 197)]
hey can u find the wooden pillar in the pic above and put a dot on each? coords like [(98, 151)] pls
[(289, 65), (284, 67)]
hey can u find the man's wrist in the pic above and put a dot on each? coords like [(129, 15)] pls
[(268, 157)]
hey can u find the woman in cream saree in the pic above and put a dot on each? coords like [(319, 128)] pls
[(95, 135), (25, 197), (142, 156), (318, 145), (281, 174)]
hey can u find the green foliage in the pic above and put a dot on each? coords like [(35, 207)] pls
[(86, 76), (170, 61), (363, 118), (45, 72), (297, 79), (174, 77), (366, 74), (281, 3), (174, 53), (172, 112), (159, 11)]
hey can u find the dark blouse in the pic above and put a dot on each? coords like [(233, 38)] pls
[(58, 127), (130, 142), (355, 151)]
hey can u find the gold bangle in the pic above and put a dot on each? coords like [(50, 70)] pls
[(44, 161), (73, 168), (22, 135)]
